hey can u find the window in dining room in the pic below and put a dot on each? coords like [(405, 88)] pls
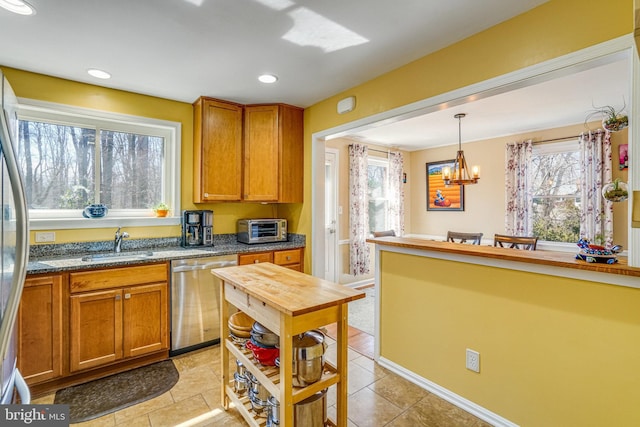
[(555, 173), (377, 192)]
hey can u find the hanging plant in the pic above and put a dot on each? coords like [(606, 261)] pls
[(612, 120), (615, 191)]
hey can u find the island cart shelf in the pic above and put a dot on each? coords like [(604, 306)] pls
[(288, 303)]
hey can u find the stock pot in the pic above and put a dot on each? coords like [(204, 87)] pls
[(308, 357)]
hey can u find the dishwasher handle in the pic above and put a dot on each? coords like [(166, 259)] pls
[(206, 266)]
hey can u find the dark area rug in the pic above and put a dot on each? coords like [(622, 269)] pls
[(110, 394)]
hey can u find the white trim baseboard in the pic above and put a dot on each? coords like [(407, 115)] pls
[(483, 413)]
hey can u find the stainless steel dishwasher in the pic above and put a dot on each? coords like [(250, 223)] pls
[(195, 305)]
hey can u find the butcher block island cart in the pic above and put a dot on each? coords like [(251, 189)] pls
[(288, 303)]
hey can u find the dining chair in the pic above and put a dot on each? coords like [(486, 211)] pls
[(518, 242), (457, 237), (384, 233)]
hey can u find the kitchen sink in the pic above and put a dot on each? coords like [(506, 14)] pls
[(120, 256)]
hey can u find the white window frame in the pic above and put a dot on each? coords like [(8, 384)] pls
[(35, 110)]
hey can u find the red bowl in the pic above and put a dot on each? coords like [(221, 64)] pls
[(265, 356)]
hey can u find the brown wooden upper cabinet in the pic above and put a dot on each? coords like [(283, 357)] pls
[(217, 151), (262, 163), (273, 153)]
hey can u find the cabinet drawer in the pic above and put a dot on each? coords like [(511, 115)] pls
[(244, 259), (270, 317), (117, 277), (287, 257)]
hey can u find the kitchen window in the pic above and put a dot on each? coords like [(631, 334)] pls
[(555, 173), (71, 158)]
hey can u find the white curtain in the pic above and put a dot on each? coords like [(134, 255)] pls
[(396, 193), (518, 196), (358, 210), (596, 213)]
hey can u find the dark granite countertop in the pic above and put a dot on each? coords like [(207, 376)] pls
[(55, 258)]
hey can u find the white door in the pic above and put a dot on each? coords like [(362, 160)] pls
[(330, 214)]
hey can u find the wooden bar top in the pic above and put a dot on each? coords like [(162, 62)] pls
[(286, 290), (540, 257)]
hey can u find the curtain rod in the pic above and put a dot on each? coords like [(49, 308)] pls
[(563, 138), (379, 151), (544, 141)]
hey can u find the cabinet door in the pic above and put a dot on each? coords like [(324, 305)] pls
[(244, 259), (261, 153), (217, 151), (291, 186), (145, 319), (95, 329), (40, 329)]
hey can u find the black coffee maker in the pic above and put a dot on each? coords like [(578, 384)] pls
[(197, 228)]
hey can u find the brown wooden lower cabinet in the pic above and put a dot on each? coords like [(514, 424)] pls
[(145, 319), (40, 329), (290, 258), (78, 326), (95, 329), (113, 324)]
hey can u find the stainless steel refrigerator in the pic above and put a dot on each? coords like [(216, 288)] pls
[(14, 250)]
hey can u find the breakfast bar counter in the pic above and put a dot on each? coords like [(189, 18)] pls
[(288, 303), (551, 262)]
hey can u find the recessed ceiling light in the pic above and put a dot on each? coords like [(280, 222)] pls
[(268, 78), (98, 73), (18, 6)]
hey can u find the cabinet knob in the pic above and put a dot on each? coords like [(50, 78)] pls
[(118, 297), (288, 257), (127, 296), (206, 195)]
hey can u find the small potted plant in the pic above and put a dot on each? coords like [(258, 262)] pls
[(615, 191), (161, 209)]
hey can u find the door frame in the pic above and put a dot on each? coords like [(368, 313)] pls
[(336, 209)]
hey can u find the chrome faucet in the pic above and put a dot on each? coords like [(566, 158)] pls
[(117, 244)]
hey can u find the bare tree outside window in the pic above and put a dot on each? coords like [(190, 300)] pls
[(59, 165), (556, 196), (131, 170)]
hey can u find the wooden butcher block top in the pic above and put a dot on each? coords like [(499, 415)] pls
[(288, 291)]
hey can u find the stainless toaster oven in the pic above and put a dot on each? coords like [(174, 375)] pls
[(262, 230)]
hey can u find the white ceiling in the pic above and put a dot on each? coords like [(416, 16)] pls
[(182, 49)]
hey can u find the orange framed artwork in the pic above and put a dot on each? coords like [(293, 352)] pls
[(441, 197)]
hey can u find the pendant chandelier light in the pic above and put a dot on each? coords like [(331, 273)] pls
[(460, 173)]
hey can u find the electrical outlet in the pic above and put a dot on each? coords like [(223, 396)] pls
[(45, 236), (473, 360)]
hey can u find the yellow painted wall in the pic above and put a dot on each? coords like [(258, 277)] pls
[(553, 29), (553, 351)]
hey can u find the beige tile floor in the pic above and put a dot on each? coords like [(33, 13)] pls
[(377, 397)]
